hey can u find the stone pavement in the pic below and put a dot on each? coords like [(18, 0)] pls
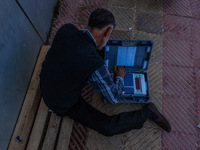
[(174, 70)]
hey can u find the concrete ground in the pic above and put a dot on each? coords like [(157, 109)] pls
[(174, 70)]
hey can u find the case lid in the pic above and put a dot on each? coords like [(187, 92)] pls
[(134, 55)]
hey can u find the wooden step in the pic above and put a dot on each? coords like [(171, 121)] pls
[(37, 127)]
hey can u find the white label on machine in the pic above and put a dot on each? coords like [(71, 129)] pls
[(139, 85), (130, 56), (121, 56), (126, 56)]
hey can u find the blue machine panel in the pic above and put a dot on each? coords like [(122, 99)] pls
[(128, 90), (128, 79), (128, 84)]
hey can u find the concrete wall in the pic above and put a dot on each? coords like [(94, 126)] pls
[(19, 47)]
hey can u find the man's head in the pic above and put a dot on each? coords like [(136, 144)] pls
[(101, 24)]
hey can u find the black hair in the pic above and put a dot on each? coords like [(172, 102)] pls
[(100, 18)]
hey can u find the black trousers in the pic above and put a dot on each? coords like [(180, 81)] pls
[(107, 125)]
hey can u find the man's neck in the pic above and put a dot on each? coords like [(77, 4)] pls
[(90, 34), (96, 35)]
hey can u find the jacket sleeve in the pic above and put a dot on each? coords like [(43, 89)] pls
[(102, 81)]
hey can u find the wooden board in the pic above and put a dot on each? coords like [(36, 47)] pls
[(38, 128), (29, 108), (65, 134), (52, 132)]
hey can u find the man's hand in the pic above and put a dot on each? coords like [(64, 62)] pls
[(119, 71)]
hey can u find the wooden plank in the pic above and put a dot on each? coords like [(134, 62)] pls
[(52, 132), (29, 108), (65, 134), (38, 128)]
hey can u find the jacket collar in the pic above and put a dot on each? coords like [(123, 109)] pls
[(90, 35)]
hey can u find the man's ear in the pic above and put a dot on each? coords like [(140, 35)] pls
[(108, 31)]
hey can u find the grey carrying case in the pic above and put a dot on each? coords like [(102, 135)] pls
[(134, 56)]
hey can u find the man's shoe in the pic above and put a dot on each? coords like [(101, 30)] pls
[(161, 121)]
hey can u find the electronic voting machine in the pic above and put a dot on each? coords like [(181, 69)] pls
[(134, 56)]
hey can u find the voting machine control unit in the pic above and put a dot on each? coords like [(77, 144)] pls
[(134, 56)]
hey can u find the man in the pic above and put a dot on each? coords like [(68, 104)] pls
[(72, 61)]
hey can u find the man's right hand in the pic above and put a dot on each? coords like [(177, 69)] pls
[(119, 71)]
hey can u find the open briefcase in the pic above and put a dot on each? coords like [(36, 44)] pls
[(134, 56)]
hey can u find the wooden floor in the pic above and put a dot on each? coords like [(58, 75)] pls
[(37, 126)]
